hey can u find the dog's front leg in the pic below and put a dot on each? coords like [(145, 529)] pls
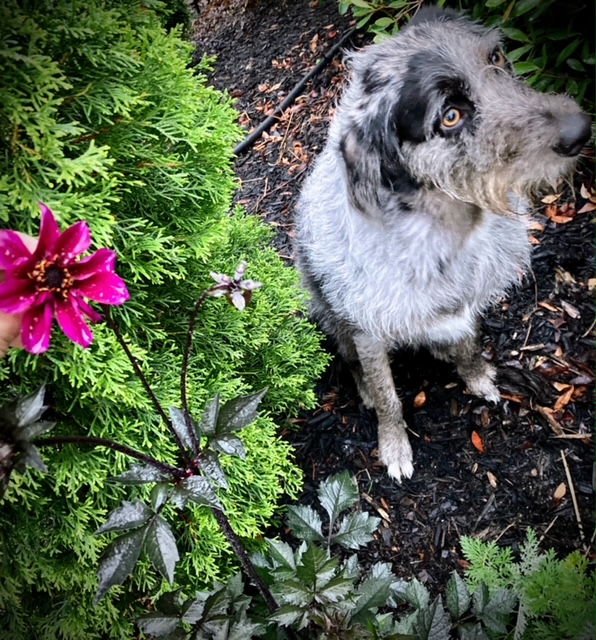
[(394, 447)]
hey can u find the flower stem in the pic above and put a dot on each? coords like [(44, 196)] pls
[(184, 373), (135, 365), (103, 442)]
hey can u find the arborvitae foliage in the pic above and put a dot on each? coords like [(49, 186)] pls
[(101, 119)]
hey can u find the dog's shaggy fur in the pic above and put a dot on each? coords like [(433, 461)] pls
[(412, 220)]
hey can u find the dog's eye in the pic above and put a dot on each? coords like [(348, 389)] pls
[(451, 118), (497, 58)]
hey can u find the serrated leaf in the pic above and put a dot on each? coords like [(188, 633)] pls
[(337, 494), (160, 626), (141, 474), (130, 515), (210, 415), (372, 593), (181, 427), (197, 489), (228, 444), (458, 596), (239, 412), (355, 530), (480, 598), (433, 622), (316, 568), (286, 615), (30, 457), (417, 594), (160, 546), (496, 611), (282, 554), (30, 408), (335, 590), (244, 629), (119, 560), (351, 567), (469, 632), (291, 592), (159, 495), (305, 522), (35, 429), (211, 468)]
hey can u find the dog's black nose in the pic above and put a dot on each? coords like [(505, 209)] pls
[(575, 130)]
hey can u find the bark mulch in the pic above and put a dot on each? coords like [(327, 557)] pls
[(483, 470)]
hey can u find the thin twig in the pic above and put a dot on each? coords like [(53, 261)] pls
[(580, 526), (103, 442), (550, 526)]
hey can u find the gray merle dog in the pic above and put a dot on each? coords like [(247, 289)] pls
[(412, 220)]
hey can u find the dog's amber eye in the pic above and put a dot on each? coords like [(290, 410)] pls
[(451, 118), (497, 58)]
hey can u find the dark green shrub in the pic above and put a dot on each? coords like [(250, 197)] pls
[(101, 118), (550, 43)]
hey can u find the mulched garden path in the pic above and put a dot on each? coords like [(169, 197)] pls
[(482, 470)]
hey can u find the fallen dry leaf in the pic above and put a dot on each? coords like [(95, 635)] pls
[(492, 480), (533, 240), (560, 492), (477, 441), (551, 198), (586, 194), (547, 414), (550, 307), (507, 396), (589, 206), (419, 400), (570, 310), (563, 400), (552, 212)]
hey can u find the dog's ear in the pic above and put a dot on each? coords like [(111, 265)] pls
[(434, 14), (374, 171)]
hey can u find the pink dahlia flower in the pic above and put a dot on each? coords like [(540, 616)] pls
[(53, 281)]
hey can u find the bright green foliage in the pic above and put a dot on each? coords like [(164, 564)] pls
[(101, 119), (556, 596), (549, 42)]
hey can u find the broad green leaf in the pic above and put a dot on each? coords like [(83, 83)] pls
[(119, 560), (575, 64), (210, 467), (361, 3), (382, 23), (282, 554), (316, 568), (305, 522), (515, 34), (493, 3), (228, 444), (159, 625), (567, 51), (433, 622), (287, 615), (355, 530), (496, 611), (130, 515), (243, 629), (417, 594), (337, 494), (159, 495), (210, 414), (181, 428), (480, 598), (141, 474), (197, 489), (522, 68), (523, 6), (516, 54), (160, 546), (239, 412), (351, 567), (458, 596)]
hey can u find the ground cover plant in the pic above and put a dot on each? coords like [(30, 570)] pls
[(102, 120)]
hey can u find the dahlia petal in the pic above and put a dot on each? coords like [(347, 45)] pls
[(12, 249), (49, 232), (37, 327), (107, 288), (100, 261), (71, 321), (16, 295), (89, 311), (74, 241)]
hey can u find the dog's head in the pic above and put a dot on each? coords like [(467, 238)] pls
[(438, 107)]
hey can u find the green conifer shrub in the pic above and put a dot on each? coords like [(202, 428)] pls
[(102, 119)]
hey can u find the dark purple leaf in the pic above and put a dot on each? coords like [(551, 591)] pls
[(181, 427), (230, 445), (210, 416), (212, 469), (161, 548), (130, 515), (142, 474), (197, 489), (239, 412)]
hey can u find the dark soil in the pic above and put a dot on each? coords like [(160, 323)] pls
[(537, 457)]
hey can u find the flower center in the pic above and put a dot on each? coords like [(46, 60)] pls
[(49, 276)]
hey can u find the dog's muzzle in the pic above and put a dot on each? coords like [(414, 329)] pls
[(574, 132)]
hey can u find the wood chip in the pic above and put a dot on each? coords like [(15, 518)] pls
[(560, 492), (419, 400), (589, 206), (570, 310), (551, 198), (547, 414), (492, 480), (550, 307), (478, 442)]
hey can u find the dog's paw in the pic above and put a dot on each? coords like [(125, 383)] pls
[(395, 452), (484, 387)]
